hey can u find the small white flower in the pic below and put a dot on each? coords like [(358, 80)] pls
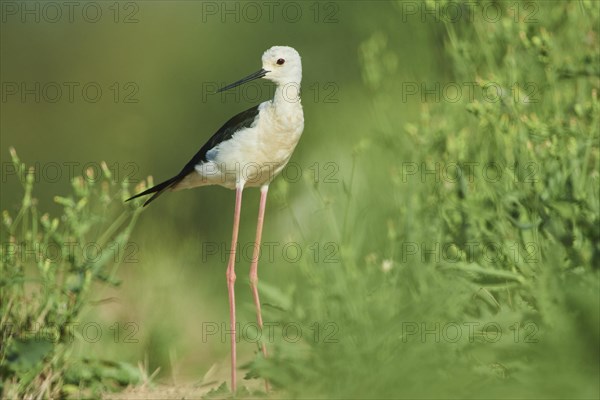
[(386, 265)]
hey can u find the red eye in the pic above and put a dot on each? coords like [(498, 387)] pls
[(280, 61)]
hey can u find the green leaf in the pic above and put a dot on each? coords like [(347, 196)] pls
[(25, 355)]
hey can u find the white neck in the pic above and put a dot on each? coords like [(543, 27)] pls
[(287, 95)]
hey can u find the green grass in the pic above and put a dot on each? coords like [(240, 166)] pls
[(50, 266), (506, 305)]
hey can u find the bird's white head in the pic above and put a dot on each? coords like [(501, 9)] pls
[(280, 64)]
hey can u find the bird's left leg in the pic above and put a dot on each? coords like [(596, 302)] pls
[(231, 281), (254, 265)]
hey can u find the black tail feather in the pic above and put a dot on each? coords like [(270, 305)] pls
[(157, 190)]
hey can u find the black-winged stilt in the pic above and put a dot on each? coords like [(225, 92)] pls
[(248, 151)]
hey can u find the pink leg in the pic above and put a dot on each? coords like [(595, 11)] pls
[(254, 264), (231, 281)]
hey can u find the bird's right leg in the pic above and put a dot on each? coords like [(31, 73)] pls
[(231, 280), (254, 265)]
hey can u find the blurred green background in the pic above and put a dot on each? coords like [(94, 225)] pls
[(156, 63)]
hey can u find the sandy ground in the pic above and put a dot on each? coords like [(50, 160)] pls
[(214, 378)]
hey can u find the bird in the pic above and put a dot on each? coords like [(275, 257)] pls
[(249, 150)]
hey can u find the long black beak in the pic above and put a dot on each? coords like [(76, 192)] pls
[(251, 77)]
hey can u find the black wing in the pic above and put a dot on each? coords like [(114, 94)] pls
[(240, 121), (245, 119)]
